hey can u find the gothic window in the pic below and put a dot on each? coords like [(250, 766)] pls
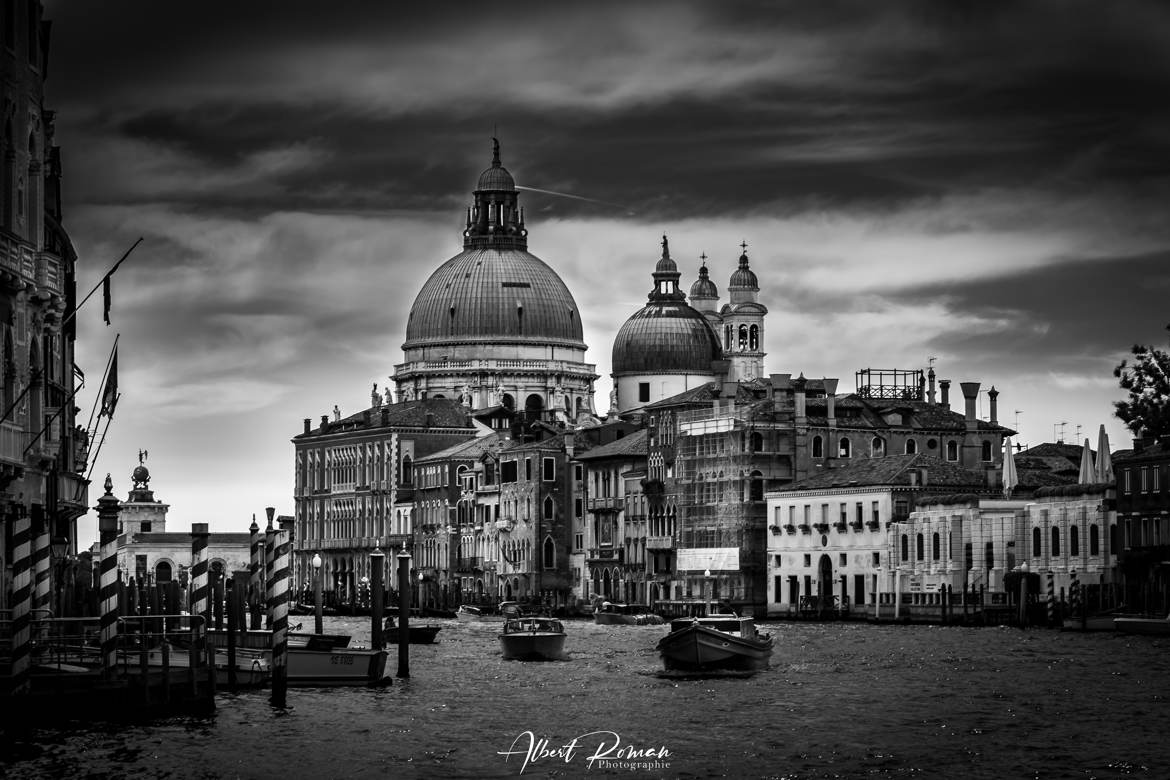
[(818, 447), (549, 508), (550, 553)]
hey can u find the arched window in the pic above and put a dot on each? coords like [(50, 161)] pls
[(1055, 542), (1094, 540), (1074, 541), (911, 446), (550, 553), (1035, 542), (877, 447), (407, 470), (728, 340), (905, 547), (935, 546), (162, 572), (986, 453), (549, 508), (757, 486), (754, 338), (743, 338), (919, 547), (843, 449), (818, 447), (952, 450)]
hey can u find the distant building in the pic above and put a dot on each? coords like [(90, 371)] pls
[(150, 553), (1143, 515)]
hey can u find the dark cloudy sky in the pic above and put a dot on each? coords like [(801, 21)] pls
[(982, 183)]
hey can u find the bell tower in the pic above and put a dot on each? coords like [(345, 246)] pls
[(743, 323)]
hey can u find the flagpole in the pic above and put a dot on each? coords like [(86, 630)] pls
[(93, 460), (102, 282), (102, 387)]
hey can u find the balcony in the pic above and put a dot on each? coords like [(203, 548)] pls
[(822, 528), (659, 542), (605, 504), (805, 528), (605, 555), (469, 564), (856, 525), (874, 525), (840, 525), (504, 525)]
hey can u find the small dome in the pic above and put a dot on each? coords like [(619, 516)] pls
[(744, 277), (703, 286), (141, 474), (665, 336), (666, 264), (496, 177)]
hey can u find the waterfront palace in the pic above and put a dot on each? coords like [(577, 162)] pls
[(706, 478)]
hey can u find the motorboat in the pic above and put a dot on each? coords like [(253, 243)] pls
[(468, 612), (418, 635), (533, 639), (611, 614), (1140, 625), (327, 659), (715, 643)]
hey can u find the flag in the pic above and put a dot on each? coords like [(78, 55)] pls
[(110, 394), (106, 297)]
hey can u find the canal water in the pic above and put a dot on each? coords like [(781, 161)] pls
[(839, 701)]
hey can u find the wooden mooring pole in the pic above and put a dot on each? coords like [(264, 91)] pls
[(404, 613), (377, 592)]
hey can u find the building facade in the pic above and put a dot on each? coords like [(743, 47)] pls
[(43, 454), (1143, 515)]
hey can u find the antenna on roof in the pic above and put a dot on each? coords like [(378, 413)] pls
[(1017, 425), (1060, 438), (930, 361), (1078, 438)]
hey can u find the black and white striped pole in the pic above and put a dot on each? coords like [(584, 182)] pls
[(108, 508)]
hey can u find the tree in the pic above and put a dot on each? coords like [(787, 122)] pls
[(1147, 380)]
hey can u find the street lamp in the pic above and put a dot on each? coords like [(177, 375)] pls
[(710, 588), (421, 592), (317, 627)]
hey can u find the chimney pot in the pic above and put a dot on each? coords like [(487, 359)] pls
[(944, 386), (308, 425)]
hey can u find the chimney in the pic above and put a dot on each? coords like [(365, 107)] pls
[(970, 396), (801, 410), (569, 444), (324, 423), (308, 425), (385, 415), (992, 398), (430, 420), (945, 387), (366, 418), (830, 399), (930, 385)]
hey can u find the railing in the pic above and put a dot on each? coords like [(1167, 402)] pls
[(13, 440), (659, 542), (606, 555), (604, 503)]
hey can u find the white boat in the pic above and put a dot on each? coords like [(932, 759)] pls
[(533, 639), (468, 612), (715, 643), (1137, 625), (252, 666), (327, 659)]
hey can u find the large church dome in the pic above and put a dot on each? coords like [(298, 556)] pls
[(495, 290), (666, 335), (490, 294)]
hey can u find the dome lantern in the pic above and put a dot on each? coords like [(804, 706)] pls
[(495, 220)]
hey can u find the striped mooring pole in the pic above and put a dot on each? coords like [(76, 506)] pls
[(108, 508), (269, 564), (21, 601), (200, 598), (42, 607), (279, 608), (1052, 601), (256, 572), (1074, 595)]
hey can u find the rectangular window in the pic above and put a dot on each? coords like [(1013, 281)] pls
[(806, 513), (578, 540), (1145, 479), (860, 510), (508, 471), (548, 469), (792, 515), (643, 392), (825, 513), (1126, 487), (844, 513), (807, 561), (528, 469), (1157, 472), (577, 505), (843, 560), (877, 559), (577, 472), (876, 513)]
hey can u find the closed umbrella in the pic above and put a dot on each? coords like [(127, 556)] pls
[(1104, 459), (1010, 480), (1087, 475)]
